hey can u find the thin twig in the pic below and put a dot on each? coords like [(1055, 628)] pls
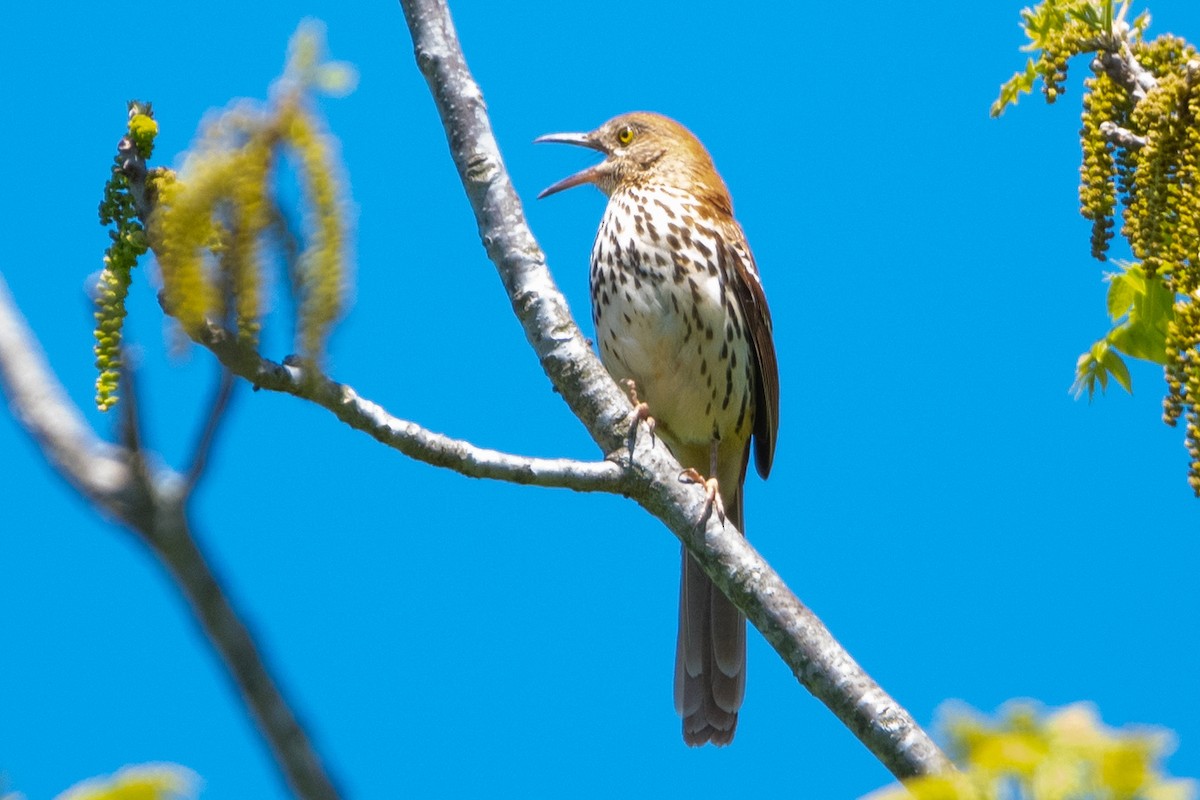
[(819, 662), (407, 437), (131, 413), (212, 423), (143, 486)]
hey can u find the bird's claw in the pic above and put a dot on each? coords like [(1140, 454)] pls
[(712, 491), (641, 412)]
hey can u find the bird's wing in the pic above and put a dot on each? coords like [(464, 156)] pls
[(737, 262)]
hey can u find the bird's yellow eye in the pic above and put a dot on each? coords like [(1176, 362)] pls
[(625, 135)]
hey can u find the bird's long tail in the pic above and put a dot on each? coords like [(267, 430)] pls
[(710, 656)]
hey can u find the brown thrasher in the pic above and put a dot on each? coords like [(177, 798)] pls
[(680, 312)]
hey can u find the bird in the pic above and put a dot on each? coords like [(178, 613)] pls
[(681, 318)]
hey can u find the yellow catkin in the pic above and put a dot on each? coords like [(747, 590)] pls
[(223, 205), (181, 225), (1148, 217), (321, 263), (111, 290), (250, 217), (1162, 225), (210, 223), (1098, 171), (129, 242)]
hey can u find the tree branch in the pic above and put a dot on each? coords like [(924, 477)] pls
[(297, 758), (152, 504), (817, 660), (98, 470), (1117, 59), (407, 437), (1121, 137)]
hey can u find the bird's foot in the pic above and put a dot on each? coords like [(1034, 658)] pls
[(712, 492), (641, 412)]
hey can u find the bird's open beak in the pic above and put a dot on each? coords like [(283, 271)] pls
[(588, 175)]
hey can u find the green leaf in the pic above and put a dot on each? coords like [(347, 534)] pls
[(1115, 365), (1011, 90), (1120, 295), (1089, 15), (1095, 366), (1157, 306), (1147, 306), (1087, 369)]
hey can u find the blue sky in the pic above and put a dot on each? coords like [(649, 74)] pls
[(965, 528)]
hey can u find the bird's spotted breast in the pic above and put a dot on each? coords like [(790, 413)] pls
[(665, 318)]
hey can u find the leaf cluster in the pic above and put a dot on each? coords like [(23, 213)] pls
[(1068, 754), (1142, 308), (138, 782), (1058, 30), (1140, 141)]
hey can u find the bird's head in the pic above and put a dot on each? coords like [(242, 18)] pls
[(640, 149)]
